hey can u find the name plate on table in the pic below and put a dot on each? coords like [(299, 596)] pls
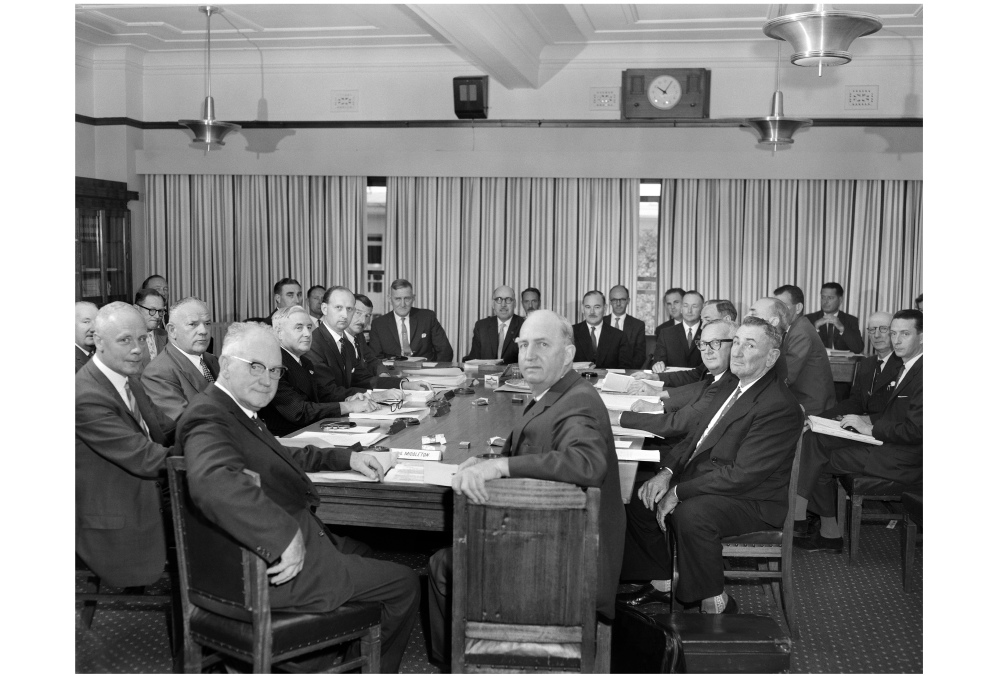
[(414, 454)]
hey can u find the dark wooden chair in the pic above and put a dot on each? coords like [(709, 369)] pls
[(773, 549), (90, 599), (226, 606), (913, 518), (856, 489), (525, 581)]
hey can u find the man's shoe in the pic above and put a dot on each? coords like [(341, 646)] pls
[(647, 593), (818, 543), (806, 526), (730, 608)]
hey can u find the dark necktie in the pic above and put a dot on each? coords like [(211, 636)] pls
[(261, 425), (690, 337), (830, 335), (878, 372), (725, 409), (347, 353), (205, 372), (593, 341), (404, 339), (133, 406)]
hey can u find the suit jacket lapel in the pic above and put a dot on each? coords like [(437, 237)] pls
[(602, 344), (742, 406), (147, 410), (251, 426), (889, 372), (490, 340), (907, 379), (513, 328), (186, 368), (551, 397), (103, 381)]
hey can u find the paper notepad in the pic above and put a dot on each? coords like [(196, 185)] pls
[(833, 429)]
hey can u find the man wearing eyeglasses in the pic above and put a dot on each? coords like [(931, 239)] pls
[(408, 331), (311, 570), (634, 329), (877, 381), (184, 367), (495, 337), (152, 307)]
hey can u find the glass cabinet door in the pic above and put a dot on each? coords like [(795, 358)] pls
[(89, 277), (116, 252)]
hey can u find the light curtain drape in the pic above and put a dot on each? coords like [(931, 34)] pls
[(456, 239), (742, 238), (228, 239)]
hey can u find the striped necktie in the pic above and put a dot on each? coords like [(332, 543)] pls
[(404, 339), (206, 372), (500, 336), (133, 406)]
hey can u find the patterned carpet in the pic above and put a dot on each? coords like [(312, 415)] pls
[(853, 620)]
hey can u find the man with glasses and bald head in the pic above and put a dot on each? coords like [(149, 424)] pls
[(495, 337)]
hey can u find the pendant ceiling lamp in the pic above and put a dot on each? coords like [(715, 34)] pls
[(776, 130), (209, 130), (822, 37)]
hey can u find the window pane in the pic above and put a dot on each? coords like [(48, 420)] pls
[(645, 305)]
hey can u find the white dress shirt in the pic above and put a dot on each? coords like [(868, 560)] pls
[(597, 331), (620, 320), (117, 379)]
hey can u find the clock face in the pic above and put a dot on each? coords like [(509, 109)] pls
[(664, 92)]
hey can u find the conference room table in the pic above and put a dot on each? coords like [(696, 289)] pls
[(421, 506)]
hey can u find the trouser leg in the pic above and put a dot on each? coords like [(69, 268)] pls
[(842, 460), (646, 555), (699, 524), (439, 606), (815, 460), (397, 588)]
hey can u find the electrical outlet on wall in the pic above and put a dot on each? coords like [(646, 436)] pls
[(343, 101), (605, 98), (861, 97)]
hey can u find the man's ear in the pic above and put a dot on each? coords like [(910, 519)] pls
[(772, 356)]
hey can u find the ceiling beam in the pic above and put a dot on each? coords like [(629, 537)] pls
[(501, 40)]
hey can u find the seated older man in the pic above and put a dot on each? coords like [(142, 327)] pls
[(311, 569), (729, 475), (564, 435), (84, 334)]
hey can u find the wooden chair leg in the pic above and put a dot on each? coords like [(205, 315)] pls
[(371, 650), (776, 592), (857, 510), (90, 607), (909, 536), (602, 660)]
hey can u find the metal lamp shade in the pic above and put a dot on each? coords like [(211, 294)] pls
[(822, 37), (209, 131), (776, 129)]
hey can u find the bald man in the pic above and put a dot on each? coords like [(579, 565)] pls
[(122, 442), (84, 334), (185, 367), (495, 337)]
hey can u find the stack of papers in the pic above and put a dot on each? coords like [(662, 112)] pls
[(422, 472), (414, 397), (384, 414), (671, 369), (327, 439), (623, 402), (833, 429), (629, 432), (483, 362), (616, 383), (638, 454)]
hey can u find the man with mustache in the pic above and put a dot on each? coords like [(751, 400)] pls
[(603, 345)]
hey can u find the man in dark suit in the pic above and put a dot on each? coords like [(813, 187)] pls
[(409, 331), (287, 293), (634, 329), (314, 299), (495, 337), (672, 300), (184, 367), (122, 442), (729, 476), (839, 330), (563, 435), (675, 345), (804, 364), (298, 401), (357, 328), (713, 311), (339, 372), (84, 332), (899, 426), (602, 344), (531, 300), (152, 307), (311, 570)]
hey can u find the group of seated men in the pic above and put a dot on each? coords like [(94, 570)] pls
[(730, 425)]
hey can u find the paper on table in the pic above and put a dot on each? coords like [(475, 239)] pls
[(483, 362), (629, 432), (622, 371), (655, 384), (616, 383), (333, 439), (833, 428), (384, 458), (672, 369), (429, 364), (450, 371), (359, 429), (422, 472), (420, 413), (638, 454), (623, 443), (582, 364), (413, 397), (623, 402), (443, 381)]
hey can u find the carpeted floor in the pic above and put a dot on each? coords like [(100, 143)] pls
[(852, 620)]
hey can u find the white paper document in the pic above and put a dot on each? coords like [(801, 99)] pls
[(325, 439), (629, 432), (450, 371), (638, 454), (384, 458), (422, 472), (672, 369), (483, 362), (833, 428), (623, 402), (384, 414)]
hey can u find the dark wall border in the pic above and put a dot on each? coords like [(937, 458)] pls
[(421, 124)]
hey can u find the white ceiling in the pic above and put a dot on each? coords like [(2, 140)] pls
[(506, 41)]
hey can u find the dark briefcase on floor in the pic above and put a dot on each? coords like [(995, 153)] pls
[(731, 644), (642, 645)]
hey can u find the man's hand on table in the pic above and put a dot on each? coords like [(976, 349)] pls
[(643, 406), (658, 367), (357, 397), (471, 477), (362, 405), (387, 396), (291, 561), (417, 385), (637, 387), (861, 423), (665, 506), (654, 489), (367, 464)]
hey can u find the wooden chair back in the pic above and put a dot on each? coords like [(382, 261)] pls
[(525, 577)]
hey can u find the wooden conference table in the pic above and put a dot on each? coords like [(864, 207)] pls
[(419, 506)]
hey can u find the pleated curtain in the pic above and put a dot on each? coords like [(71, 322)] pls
[(740, 239), (457, 239), (228, 239)]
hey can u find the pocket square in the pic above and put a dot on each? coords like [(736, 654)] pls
[(423, 335)]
